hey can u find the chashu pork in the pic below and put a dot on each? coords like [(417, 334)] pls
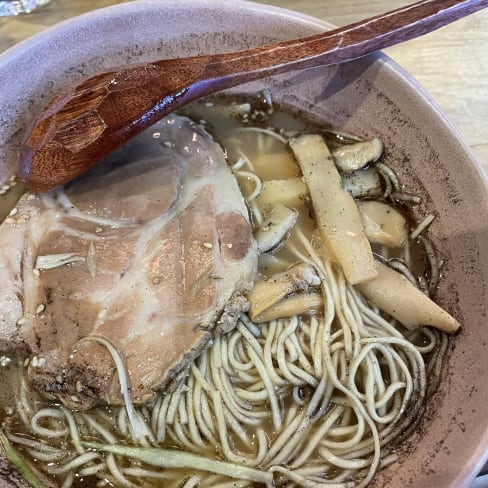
[(145, 251)]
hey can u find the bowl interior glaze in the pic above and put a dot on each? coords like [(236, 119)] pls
[(371, 96)]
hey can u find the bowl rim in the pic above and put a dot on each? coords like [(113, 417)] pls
[(469, 470)]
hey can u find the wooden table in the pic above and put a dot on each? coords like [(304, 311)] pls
[(451, 63)]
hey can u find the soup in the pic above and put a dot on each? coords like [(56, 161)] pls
[(316, 379)]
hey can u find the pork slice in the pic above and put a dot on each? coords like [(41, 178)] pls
[(143, 252)]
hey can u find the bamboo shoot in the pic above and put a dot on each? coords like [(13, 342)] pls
[(335, 210), (396, 296)]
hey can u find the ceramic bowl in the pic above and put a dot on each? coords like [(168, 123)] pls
[(370, 96)]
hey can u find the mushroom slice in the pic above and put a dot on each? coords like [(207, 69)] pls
[(351, 157), (275, 228), (272, 290), (396, 296), (299, 304), (383, 224)]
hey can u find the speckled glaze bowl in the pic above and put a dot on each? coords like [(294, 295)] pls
[(371, 96)]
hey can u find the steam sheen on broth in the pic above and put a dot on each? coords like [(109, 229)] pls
[(314, 385)]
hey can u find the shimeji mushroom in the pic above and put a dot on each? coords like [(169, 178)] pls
[(290, 306), (400, 299), (283, 286), (364, 183), (275, 228), (351, 157), (335, 210)]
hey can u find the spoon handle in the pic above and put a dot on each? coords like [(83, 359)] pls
[(339, 45), (94, 117)]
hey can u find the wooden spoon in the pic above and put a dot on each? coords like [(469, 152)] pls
[(94, 117)]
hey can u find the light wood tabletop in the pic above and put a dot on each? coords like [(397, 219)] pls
[(451, 63)]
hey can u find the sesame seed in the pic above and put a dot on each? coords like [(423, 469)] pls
[(40, 308), (9, 220), (157, 135), (6, 187), (21, 321), (167, 143), (79, 386), (13, 211), (75, 399), (59, 379), (2, 192), (41, 362), (9, 410), (229, 245), (13, 184), (26, 362), (208, 245), (156, 280), (98, 229)]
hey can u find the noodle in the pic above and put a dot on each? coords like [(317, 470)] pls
[(317, 400), (310, 428)]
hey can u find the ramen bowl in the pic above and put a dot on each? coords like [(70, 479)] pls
[(370, 97)]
